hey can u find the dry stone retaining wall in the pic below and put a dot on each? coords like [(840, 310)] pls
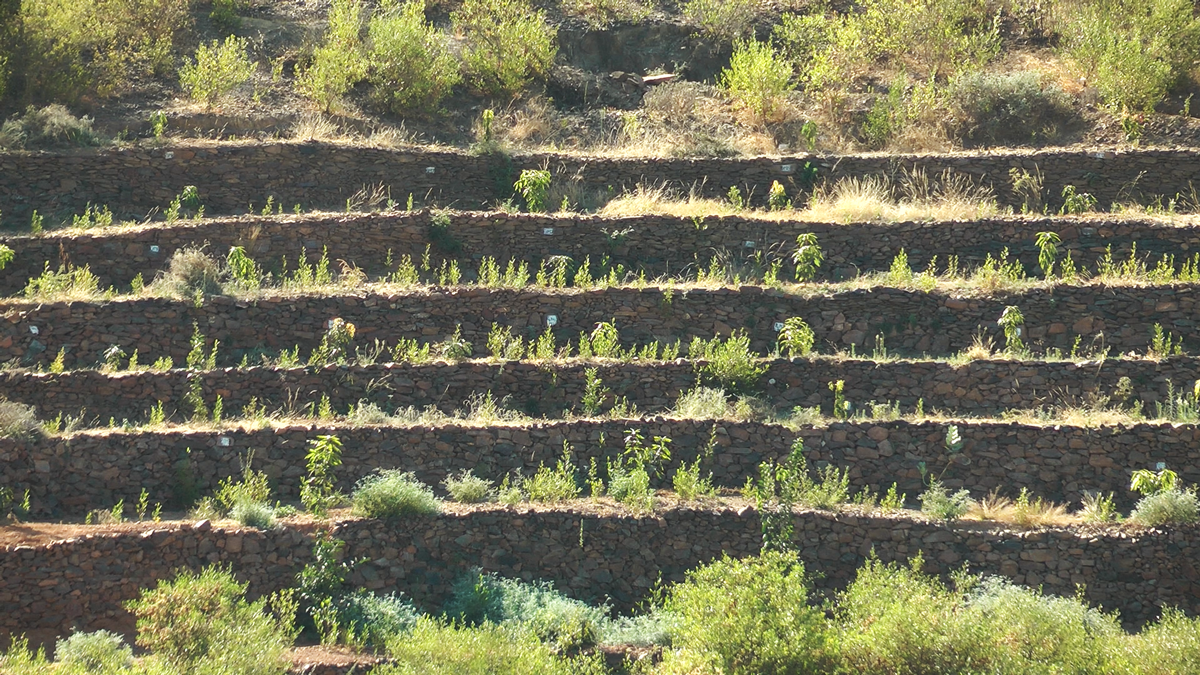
[(656, 245), (232, 177), (977, 388), (74, 474), (1121, 318), (81, 583)]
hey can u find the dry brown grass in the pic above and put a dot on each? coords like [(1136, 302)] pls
[(317, 127), (850, 200), (663, 201), (1023, 512)]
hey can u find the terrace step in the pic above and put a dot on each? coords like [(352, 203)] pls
[(73, 474), (656, 245), (936, 323), (325, 175), (983, 388), (590, 551)]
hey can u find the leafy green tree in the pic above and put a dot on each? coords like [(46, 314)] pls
[(508, 44), (338, 63), (218, 69), (758, 77), (411, 65)]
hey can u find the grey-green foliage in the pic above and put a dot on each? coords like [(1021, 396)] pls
[(468, 488), (391, 494), (412, 67), (48, 127), (726, 21), (19, 421), (372, 620), (1167, 507), (99, 651), (565, 623), (641, 630), (1006, 108), (258, 515)]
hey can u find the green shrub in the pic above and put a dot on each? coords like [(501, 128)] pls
[(688, 484), (468, 488), (1132, 52), (65, 49), (757, 78), (508, 44), (253, 488), (553, 485), (1170, 645), (318, 492), (68, 283), (201, 624), (411, 66), (338, 63), (224, 15), (533, 185), (750, 616), (49, 127), (243, 271), (724, 20), (1167, 507), (392, 494), (878, 613), (101, 651), (19, 421), (796, 338), (217, 70), (980, 625), (807, 257), (630, 485), (563, 622), (937, 502), (729, 362), (1009, 108), (435, 648)]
